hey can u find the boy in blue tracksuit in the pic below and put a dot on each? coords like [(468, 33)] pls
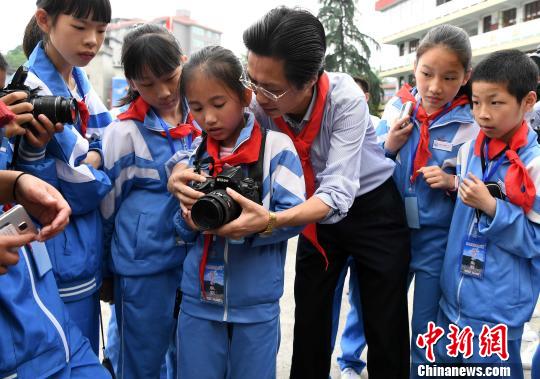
[(491, 272), (38, 340)]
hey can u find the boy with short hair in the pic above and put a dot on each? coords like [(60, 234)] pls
[(491, 270)]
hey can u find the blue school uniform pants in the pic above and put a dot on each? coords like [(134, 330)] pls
[(85, 314), (428, 246), (353, 340), (144, 309), (217, 350)]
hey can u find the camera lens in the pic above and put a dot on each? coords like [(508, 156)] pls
[(214, 210), (56, 108)]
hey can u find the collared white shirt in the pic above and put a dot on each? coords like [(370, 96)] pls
[(346, 159)]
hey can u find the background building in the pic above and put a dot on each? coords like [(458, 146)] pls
[(492, 25), (106, 66)]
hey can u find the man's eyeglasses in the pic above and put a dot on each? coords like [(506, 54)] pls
[(244, 79)]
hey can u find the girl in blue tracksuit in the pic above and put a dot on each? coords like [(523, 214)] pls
[(73, 33), (491, 270), (38, 339), (143, 250), (229, 319), (425, 147)]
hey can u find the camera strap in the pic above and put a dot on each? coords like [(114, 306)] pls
[(255, 170)]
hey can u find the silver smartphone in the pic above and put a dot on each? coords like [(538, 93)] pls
[(405, 110), (16, 221)]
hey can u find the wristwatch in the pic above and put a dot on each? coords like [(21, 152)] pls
[(270, 226)]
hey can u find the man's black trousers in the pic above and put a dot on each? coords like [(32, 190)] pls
[(376, 235)]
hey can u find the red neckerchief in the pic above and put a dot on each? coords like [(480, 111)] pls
[(139, 108), (302, 142), (6, 115), (246, 153), (184, 130), (423, 153), (520, 188), (84, 116)]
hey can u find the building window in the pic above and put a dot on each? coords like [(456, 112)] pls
[(488, 25), (197, 31), (509, 17), (413, 45), (401, 47), (441, 2), (532, 10)]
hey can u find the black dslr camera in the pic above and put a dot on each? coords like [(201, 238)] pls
[(56, 108), (217, 208)]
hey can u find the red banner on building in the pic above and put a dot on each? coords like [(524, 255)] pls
[(381, 5)]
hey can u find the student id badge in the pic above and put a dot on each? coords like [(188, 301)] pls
[(411, 208), (214, 279), (473, 257), (41, 258), (442, 145)]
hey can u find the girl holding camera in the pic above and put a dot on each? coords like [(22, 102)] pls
[(229, 317), (38, 339), (142, 249), (72, 32)]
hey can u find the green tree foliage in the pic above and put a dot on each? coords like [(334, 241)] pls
[(348, 49), (15, 57)]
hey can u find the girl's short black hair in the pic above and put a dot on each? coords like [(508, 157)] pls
[(293, 35), (216, 62), (149, 47), (99, 10), (511, 68)]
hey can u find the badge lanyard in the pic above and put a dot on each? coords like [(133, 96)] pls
[(167, 133), (487, 174), (474, 252), (166, 129)]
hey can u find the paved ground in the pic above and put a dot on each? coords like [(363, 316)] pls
[(287, 323)]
